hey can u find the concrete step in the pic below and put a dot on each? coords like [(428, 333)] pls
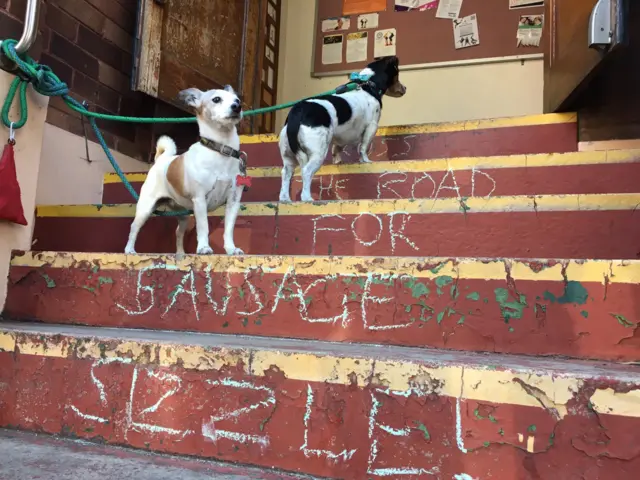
[(582, 309), (28, 456), (600, 226), (326, 409), (542, 174), (531, 134)]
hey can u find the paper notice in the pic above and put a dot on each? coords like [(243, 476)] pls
[(332, 49), (449, 9), (525, 3), (369, 20), (420, 5), (385, 43), (357, 43), (354, 7), (530, 30), (465, 31), (336, 24)]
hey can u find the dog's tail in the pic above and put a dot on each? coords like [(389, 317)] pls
[(294, 120), (165, 145)]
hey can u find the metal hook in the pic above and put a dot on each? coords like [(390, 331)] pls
[(12, 134)]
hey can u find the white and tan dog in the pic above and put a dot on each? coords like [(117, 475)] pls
[(206, 176)]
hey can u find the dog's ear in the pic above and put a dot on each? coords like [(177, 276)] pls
[(191, 97), (229, 88)]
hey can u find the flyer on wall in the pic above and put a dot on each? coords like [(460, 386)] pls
[(355, 7), (419, 5), (332, 49), (385, 43), (357, 45), (525, 3)]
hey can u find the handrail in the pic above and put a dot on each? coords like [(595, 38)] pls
[(30, 31)]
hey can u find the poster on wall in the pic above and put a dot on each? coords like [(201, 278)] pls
[(355, 7), (530, 30), (332, 49), (357, 43), (336, 24), (525, 3), (449, 9), (465, 31), (420, 5), (369, 20), (385, 43)]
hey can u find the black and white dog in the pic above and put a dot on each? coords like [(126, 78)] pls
[(339, 120)]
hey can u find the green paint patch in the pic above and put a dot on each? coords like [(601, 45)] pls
[(424, 430), (532, 428), (437, 268), (584, 313), (510, 309), (492, 419), (501, 432), (464, 208), (486, 444), (574, 292), (257, 322), (307, 300), (243, 208), (95, 268), (440, 317), (476, 413), (441, 282), (244, 321), (48, 280), (90, 289), (225, 324), (104, 281), (461, 321), (418, 289), (475, 296), (271, 205), (622, 320), (407, 308), (347, 280)]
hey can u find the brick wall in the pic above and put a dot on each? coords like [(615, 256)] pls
[(89, 45)]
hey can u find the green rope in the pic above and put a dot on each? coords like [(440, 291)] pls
[(47, 83)]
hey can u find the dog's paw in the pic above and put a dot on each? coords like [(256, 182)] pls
[(365, 160), (306, 198), (234, 251), (337, 159), (207, 250), (285, 200), (130, 251), (180, 256)]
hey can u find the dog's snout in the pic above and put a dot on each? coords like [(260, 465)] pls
[(236, 106)]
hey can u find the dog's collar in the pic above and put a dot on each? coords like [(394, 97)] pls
[(225, 150)]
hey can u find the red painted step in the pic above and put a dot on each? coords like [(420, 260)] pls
[(405, 181), (578, 309), (440, 141), (340, 411), (582, 226)]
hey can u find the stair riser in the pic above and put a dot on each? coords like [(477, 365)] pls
[(528, 314), (221, 410), (561, 234), (553, 138), (481, 182)]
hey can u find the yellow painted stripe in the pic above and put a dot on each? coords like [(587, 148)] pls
[(471, 205), (615, 271), (469, 381), (468, 125), (443, 164)]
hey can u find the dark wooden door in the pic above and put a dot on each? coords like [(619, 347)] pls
[(569, 63), (196, 43)]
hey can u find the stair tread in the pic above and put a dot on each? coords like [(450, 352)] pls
[(439, 164), (64, 459), (509, 203), (547, 366)]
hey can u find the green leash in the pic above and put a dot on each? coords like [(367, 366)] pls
[(47, 83)]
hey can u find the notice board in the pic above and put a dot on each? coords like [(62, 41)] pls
[(421, 39)]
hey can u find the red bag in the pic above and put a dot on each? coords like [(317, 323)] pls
[(10, 197)]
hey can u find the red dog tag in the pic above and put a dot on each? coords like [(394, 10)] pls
[(243, 180)]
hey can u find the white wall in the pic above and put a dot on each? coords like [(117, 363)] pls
[(66, 178), (27, 158), (433, 95)]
